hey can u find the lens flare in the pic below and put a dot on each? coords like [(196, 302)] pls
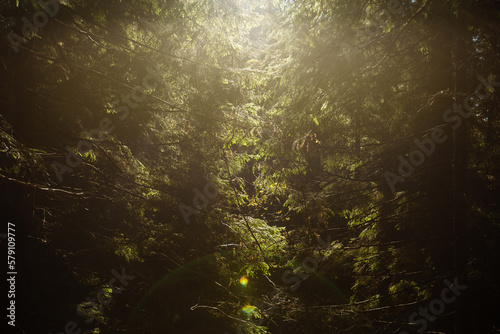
[(249, 309), (244, 281)]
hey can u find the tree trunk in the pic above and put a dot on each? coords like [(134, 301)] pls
[(459, 179)]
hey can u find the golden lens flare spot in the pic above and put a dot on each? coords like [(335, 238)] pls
[(252, 61), (248, 309), (244, 281)]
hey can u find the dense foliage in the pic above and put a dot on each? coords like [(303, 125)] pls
[(252, 166)]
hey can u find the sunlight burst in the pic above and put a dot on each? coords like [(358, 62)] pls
[(244, 281)]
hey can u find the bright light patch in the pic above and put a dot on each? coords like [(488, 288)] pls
[(252, 61), (244, 281), (248, 309)]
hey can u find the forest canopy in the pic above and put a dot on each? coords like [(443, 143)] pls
[(259, 166)]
